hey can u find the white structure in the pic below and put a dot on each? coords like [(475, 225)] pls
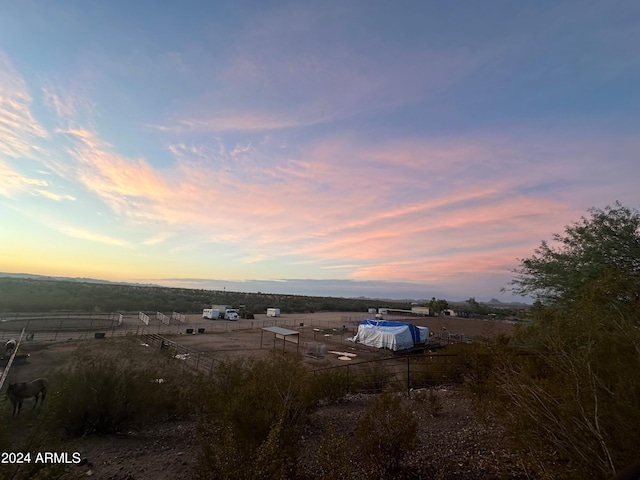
[(392, 335), (273, 312), (211, 313), (421, 310), (217, 313)]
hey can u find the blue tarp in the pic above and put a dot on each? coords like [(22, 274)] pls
[(415, 333)]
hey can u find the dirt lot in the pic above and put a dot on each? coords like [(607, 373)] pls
[(454, 443)]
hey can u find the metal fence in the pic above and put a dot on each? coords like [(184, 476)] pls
[(51, 326), (402, 373), (190, 358), (397, 373)]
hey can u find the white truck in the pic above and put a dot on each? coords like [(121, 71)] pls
[(223, 312), (273, 312)]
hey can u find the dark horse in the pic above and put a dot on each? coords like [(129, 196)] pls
[(17, 392)]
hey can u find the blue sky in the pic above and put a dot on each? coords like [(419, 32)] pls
[(395, 149)]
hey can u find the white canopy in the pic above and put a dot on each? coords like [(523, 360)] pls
[(393, 338)]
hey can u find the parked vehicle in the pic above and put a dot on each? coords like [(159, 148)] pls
[(222, 312), (273, 312), (244, 313), (211, 313), (227, 312)]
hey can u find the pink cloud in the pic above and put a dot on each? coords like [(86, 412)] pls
[(19, 130), (420, 211)]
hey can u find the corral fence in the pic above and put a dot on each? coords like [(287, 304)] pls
[(51, 326), (72, 324), (57, 325), (189, 357), (401, 373), (10, 360)]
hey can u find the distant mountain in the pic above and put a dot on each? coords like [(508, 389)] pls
[(30, 276)]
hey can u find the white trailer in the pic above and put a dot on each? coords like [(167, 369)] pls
[(273, 312), (211, 313), (215, 314)]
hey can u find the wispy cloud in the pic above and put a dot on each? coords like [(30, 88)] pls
[(358, 141), (19, 130), (55, 196), (83, 234), (14, 183)]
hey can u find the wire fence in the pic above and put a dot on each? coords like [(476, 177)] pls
[(402, 373), (397, 373), (52, 326), (190, 358)]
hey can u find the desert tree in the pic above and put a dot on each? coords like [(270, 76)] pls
[(574, 402), (608, 240)]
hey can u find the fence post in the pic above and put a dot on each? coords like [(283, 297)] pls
[(59, 326), (408, 376)]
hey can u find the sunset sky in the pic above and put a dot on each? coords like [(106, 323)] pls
[(404, 149)]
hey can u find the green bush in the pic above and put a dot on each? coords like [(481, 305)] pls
[(371, 377), (386, 432), (576, 403), (334, 456), (331, 385), (252, 409), (276, 458), (103, 394)]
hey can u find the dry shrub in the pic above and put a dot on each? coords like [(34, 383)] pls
[(371, 377), (252, 409), (108, 393), (386, 432), (334, 456)]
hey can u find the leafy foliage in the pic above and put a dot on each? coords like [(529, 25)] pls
[(607, 241), (574, 404), (437, 306), (105, 394), (386, 432), (333, 456), (252, 410), (371, 377), (580, 396)]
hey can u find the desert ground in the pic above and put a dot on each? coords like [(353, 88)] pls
[(461, 446)]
